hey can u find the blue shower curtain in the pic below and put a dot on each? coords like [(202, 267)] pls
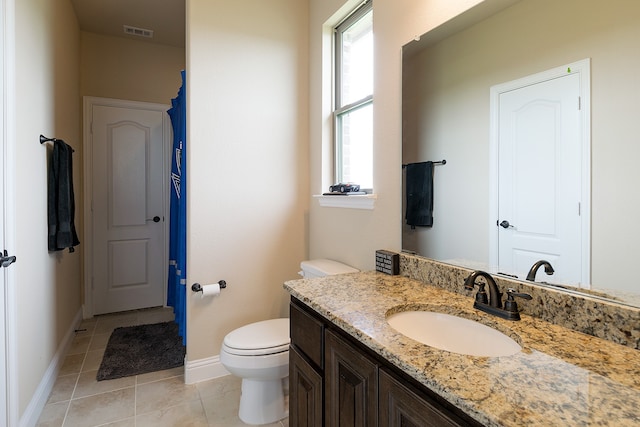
[(176, 294)]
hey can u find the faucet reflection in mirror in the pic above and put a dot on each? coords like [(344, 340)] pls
[(531, 276)]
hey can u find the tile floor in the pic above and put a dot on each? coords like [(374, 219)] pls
[(158, 399)]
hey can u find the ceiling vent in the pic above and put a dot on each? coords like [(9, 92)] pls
[(140, 32)]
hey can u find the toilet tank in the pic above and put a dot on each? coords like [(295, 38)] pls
[(324, 267)]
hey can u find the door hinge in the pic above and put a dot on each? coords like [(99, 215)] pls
[(579, 103), (579, 208)]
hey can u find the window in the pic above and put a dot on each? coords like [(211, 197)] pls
[(353, 111)]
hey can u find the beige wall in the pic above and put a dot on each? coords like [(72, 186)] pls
[(48, 284), (121, 68), (56, 64), (247, 161), (450, 86), (350, 235)]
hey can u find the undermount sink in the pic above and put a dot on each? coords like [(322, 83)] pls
[(453, 333)]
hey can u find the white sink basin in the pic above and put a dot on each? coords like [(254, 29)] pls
[(452, 333)]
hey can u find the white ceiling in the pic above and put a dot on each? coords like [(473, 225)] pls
[(165, 17)]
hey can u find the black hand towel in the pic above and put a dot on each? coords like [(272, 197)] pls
[(419, 188), (60, 199)]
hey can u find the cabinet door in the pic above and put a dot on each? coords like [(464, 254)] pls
[(306, 334), (401, 407), (351, 385), (305, 392)]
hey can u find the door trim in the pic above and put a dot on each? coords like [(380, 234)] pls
[(88, 103), (583, 69), (9, 406)]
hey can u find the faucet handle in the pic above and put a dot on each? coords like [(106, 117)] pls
[(512, 293), (481, 295), (510, 304)]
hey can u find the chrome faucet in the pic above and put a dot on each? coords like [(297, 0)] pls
[(492, 303), (534, 269)]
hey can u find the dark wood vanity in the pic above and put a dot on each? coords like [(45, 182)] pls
[(349, 366), (336, 381)]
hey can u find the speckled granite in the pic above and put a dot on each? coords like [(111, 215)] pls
[(603, 319), (560, 378)]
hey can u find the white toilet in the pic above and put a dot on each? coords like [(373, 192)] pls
[(259, 354)]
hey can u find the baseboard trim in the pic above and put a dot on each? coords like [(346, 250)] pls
[(39, 400), (199, 370)]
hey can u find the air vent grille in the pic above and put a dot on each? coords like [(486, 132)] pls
[(140, 32)]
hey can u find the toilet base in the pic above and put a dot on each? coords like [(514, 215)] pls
[(262, 401)]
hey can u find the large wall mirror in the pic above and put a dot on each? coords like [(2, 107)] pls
[(447, 76)]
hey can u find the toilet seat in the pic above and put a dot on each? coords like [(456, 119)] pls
[(256, 351), (260, 338)]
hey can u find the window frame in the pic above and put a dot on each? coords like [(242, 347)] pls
[(338, 109)]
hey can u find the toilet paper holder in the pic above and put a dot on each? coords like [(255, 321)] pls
[(197, 287)]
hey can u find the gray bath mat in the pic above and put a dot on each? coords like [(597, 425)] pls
[(135, 350)]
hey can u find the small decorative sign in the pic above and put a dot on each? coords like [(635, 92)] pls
[(387, 262)]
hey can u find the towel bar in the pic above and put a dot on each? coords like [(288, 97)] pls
[(441, 162), (44, 139)]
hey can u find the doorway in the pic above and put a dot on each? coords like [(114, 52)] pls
[(126, 145), (540, 183), (8, 385)]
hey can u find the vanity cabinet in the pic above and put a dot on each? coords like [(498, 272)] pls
[(336, 381), (306, 366), (351, 385), (402, 407), (305, 392)]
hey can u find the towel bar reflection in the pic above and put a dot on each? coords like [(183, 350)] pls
[(441, 162)]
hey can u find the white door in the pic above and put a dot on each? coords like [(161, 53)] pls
[(539, 179), (128, 208), (5, 406), (3, 281)]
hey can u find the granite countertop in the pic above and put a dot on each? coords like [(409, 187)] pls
[(559, 378)]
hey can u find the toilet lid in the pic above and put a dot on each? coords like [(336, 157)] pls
[(268, 334)]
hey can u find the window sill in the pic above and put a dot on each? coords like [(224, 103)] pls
[(364, 201)]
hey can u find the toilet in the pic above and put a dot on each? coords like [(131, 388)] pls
[(323, 267), (259, 354)]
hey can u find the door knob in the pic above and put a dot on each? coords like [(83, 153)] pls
[(154, 219), (504, 224), (6, 260)]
